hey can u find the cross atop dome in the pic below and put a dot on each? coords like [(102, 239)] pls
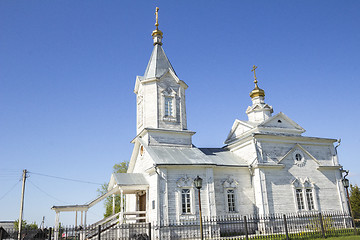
[(259, 111), (157, 34), (256, 92)]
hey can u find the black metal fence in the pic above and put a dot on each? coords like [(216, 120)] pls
[(276, 226), (26, 234)]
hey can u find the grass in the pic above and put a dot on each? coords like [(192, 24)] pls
[(333, 235), (357, 237)]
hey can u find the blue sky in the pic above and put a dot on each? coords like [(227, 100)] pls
[(68, 68)]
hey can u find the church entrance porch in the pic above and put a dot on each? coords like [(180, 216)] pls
[(123, 184), (142, 207), (133, 190)]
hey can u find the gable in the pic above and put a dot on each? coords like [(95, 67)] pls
[(141, 157), (238, 129), (170, 75), (282, 123), (299, 155)]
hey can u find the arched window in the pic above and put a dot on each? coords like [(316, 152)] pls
[(230, 193), (304, 195), (300, 199), (168, 106), (185, 201), (310, 199), (185, 197), (230, 185)]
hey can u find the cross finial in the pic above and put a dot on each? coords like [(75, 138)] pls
[(256, 92), (157, 18), (253, 70), (157, 34)]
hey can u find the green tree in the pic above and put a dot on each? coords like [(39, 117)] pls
[(25, 225), (355, 200), (108, 203)]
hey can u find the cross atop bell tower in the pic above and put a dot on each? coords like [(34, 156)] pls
[(157, 34), (161, 110)]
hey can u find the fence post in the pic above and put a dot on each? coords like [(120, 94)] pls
[(322, 225), (99, 232), (1, 233), (149, 226), (286, 228), (246, 229), (50, 230)]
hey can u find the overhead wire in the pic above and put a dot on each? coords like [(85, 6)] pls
[(46, 192), (10, 190), (9, 173), (67, 179)]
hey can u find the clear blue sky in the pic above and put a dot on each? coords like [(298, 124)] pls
[(68, 68)]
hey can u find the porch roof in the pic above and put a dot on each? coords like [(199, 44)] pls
[(82, 207), (128, 181)]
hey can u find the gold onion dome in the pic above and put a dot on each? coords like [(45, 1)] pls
[(156, 32), (256, 92)]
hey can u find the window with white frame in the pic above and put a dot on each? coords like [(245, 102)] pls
[(185, 205), (185, 201), (230, 193), (310, 199), (304, 193), (300, 199), (230, 186), (169, 106)]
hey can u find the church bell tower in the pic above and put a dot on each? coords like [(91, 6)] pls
[(160, 99)]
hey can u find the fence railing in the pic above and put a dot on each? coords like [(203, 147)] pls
[(279, 226), (286, 226)]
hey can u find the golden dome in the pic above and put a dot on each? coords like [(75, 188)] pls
[(256, 92), (156, 32)]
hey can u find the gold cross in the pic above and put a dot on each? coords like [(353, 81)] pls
[(253, 70), (157, 18)]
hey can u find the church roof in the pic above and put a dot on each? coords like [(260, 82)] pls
[(194, 156), (158, 64)]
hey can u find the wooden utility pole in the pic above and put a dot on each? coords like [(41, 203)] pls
[(22, 202)]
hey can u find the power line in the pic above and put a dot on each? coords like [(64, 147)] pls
[(10, 189), (68, 179), (46, 192)]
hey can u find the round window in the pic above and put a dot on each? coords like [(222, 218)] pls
[(298, 157)]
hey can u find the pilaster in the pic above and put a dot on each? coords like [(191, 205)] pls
[(211, 192)]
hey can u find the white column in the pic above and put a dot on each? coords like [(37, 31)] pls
[(75, 218), (56, 230), (164, 197), (147, 205), (85, 219), (82, 226), (210, 188), (113, 204), (121, 206)]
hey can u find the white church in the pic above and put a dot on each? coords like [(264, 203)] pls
[(266, 165)]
